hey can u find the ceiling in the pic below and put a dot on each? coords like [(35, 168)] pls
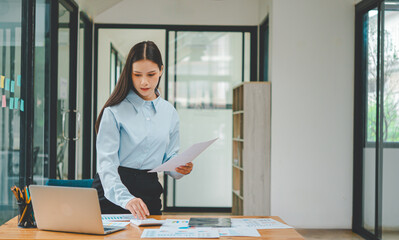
[(96, 7)]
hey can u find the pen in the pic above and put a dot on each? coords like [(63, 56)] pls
[(23, 214), (26, 196), (27, 191), (14, 191), (20, 193)]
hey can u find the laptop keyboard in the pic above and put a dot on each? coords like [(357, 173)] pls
[(109, 228)]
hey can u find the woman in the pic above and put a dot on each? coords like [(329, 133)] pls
[(137, 131)]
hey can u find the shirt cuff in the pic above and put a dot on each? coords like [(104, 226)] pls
[(124, 203)]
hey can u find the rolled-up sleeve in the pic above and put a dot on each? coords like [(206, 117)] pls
[(174, 144), (108, 142)]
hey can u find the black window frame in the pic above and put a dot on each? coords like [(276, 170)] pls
[(360, 119), (87, 118)]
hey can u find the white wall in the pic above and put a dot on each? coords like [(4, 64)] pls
[(103, 85), (312, 74), (182, 12), (264, 9)]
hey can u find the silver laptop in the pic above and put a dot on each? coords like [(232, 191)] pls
[(68, 209)]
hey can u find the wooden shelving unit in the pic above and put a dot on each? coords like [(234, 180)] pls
[(251, 149)]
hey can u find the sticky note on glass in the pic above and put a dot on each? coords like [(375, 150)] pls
[(11, 103), (3, 101), (19, 81), (7, 87), (22, 105), (2, 81), (16, 103), (12, 85)]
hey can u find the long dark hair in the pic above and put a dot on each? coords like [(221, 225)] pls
[(143, 50)]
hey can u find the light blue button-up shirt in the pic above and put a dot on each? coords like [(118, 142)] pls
[(135, 134)]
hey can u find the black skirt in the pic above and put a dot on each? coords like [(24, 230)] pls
[(140, 184)]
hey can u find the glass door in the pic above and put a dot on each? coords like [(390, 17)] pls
[(66, 113), (11, 104), (203, 69), (369, 150), (376, 143), (390, 121)]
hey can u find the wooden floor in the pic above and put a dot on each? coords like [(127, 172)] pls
[(328, 234)]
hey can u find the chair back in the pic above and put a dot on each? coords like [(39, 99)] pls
[(85, 183)]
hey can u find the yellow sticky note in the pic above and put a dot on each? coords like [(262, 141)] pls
[(2, 81)]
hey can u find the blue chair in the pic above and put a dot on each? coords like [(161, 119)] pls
[(85, 183)]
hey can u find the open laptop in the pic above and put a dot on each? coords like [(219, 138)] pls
[(68, 209)]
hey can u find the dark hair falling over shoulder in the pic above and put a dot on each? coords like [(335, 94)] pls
[(146, 50)]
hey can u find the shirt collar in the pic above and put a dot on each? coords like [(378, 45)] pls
[(138, 102)]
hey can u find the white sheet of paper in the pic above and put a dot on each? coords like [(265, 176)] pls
[(115, 224), (185, 157), (117, 217), (258, 223), (175, 223), (180, 233), (147, 222), (238, 232)]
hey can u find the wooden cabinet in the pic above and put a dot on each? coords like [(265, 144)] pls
[(251, 149)]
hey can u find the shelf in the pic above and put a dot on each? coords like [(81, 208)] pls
[(237, 193), (251, 115), (235, 166)]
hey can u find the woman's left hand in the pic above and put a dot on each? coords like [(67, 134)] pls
[(185, 169)]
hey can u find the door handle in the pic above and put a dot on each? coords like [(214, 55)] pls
[(63, 124)]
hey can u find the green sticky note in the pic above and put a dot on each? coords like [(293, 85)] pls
[(12, 85), (7, 87), (19, 81), (11, 103), (16, 103), (22, 105)]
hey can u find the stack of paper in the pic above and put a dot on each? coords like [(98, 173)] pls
[(246, 227), (115, 224), (258, 223), (180, 233), (117, 217), (116, 220)]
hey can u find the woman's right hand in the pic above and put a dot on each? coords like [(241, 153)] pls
[(138, 208)]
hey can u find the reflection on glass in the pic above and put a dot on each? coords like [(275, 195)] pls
[(80, 85), (369, 152), (63, 93), (209, 65), (40, 133), (10, 100), (390, 114)]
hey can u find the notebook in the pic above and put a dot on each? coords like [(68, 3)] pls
[(68, 209)]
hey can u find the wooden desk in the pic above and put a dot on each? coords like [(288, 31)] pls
[(10, 230)]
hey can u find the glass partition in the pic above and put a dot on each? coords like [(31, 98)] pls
[(41, 105), (377, 120), (369, 151), (390, 122), (11, 104)]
